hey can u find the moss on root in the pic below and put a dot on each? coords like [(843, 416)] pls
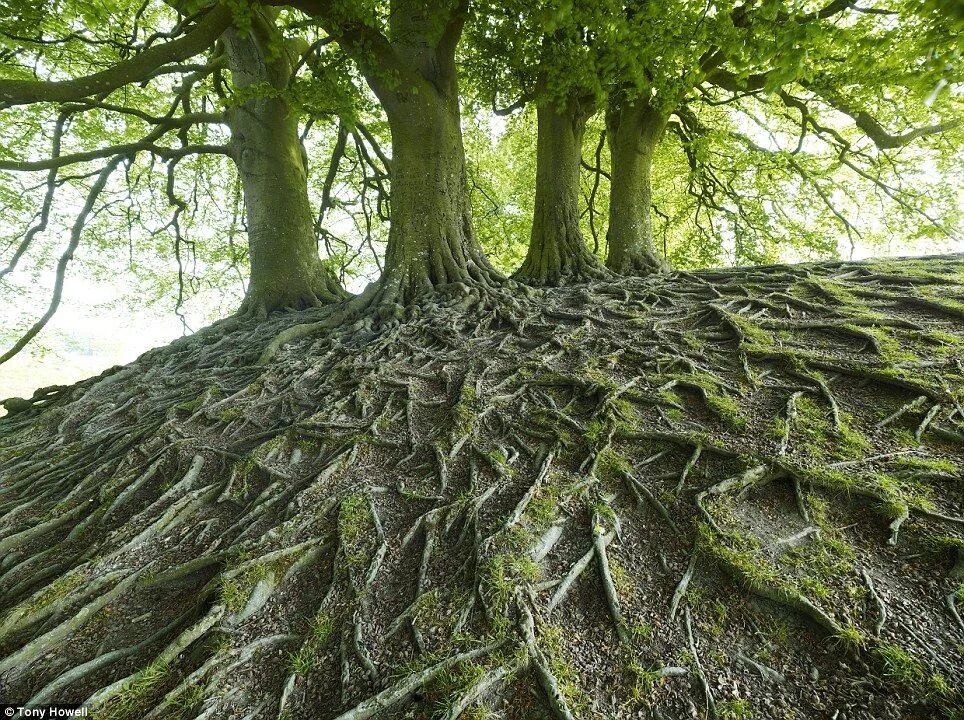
[(487, 509)]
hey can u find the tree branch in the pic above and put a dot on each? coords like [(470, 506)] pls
[(367, 46), (201, 36), (883, 139), (145, 145), (51, 183), (68, 255)]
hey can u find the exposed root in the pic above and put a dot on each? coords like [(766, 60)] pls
[(881, 606), (406, 687), (540, 666), (612, 600), (680, 591), (698, 666), (905, 408), (391, 511)]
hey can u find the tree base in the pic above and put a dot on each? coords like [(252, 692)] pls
[(291, 296), (640, 265), (728, 490), (578, 267)]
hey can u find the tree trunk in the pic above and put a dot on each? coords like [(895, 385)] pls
[(286, 272), (412, 71), (431, 242), (633, 130), (557, 252)]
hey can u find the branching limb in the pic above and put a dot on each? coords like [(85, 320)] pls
[(202, 36), (75, 234)]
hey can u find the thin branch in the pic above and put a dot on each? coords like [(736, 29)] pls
[(52, 185), (65, 259)]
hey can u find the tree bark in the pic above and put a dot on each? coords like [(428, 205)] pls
[(633, 130), (431, 242), (286, 272), (412, 71), (557, 251)]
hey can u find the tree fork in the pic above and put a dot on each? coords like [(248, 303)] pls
[(431, 242)]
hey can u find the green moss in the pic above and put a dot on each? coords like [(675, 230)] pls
[(550, 641), (891, 349), (670, 397), (504, 574), (233, 595), (235, 591), (229, 414), (938, 685), (465, 411), (914, 464), (497, 456), (354, 522), (640, 631), (622, 580), (741, 553), (903, 436), (543, 509), (900, 665), (449, 685), (819, 438), (727, 409), (752, 333), (58, 589), (595, 429), (675, 414), (836, 289), (692, 340), (945, 343), (907, 267), (777, 428), (610, 464), (737, 709), (241, 471), (190, 407), (135, 697), (850, 442)]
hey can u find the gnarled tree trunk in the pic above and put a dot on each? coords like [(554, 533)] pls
[(557, 252), (286, 272), (431, 242), (633, 130), (412, 71)]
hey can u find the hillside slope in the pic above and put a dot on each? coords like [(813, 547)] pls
[(732, 493)]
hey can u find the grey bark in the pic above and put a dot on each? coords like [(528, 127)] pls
[(557, 251), (633, 130), (286, 271)]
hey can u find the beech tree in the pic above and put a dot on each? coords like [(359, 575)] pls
[(652, 489), (409, 61), (663, 71), (286, 271), (548, 59)]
